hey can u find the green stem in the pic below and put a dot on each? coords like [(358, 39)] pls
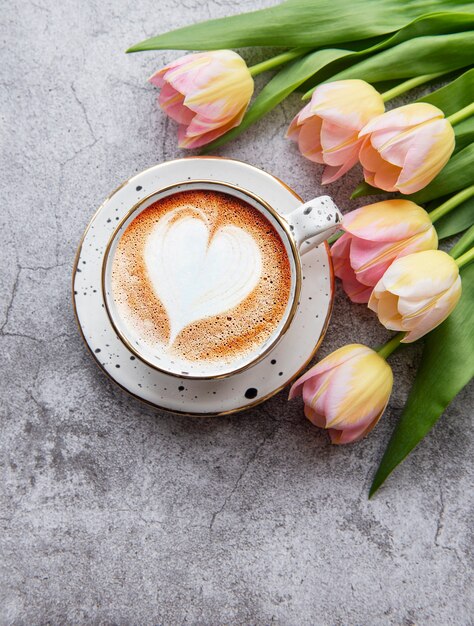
[(386, 350), (335, 237), (462, 114), (269, 64), (451, 204), (409, 84), (466, 242), (465, 258)]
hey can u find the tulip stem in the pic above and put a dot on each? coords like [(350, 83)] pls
[(466, 242), (269, 64), (465, 258), (333, 238), (462, 114), (451, 204), (386, 350), (409, 84)]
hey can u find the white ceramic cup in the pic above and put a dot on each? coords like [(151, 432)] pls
[(303, 229)]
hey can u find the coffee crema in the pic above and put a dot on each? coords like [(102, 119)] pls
[(201, 276)]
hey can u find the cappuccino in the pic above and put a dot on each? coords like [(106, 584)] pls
[(201, 279)]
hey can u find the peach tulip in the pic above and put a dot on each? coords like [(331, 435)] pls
[(346, 392), (327, 129), (375, 235), (405, 148), (417, 293), (207, 93)]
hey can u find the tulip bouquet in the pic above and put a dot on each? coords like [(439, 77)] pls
[(387, 255)]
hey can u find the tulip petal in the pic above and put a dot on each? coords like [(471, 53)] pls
[(377, 171), (331, 173), (421, 308), (370, 259), (293, 129), (350, 351), (347, 103), (157, 79), (340, 250), (200, 140), (420, 275), (388, 220), (426, 156), (196, 72), (435, 314), (304, 114), (387, 311), (402, 118), (357, 292), (386, 177), (308, 140), (316, 418), (351, 435), (358, 391), (338, 143), (206, 93), (171, 101)]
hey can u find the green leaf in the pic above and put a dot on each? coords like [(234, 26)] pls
[(456, 175), (300, 23), (419, 56), (455, 96), (464, 132), (447, 366), (311, 66), (434, 24), (457, 220), (281, 85), (364, 189)]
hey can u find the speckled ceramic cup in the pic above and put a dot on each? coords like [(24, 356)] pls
[(301, 230)]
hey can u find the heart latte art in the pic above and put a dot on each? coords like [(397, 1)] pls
[(196, 276), (201, 276)]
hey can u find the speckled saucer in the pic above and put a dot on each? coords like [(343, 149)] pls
[(199, 397)]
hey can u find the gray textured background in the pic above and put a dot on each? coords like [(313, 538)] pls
[(113, 513)]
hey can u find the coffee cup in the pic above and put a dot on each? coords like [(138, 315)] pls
[(201, 279)]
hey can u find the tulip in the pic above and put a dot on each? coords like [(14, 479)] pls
[(405, 148), (207, 93), (375, 235), (327, 129), (346, 392), (417, 293)]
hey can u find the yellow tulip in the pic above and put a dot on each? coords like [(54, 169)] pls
[(346, 393), (417, 293)]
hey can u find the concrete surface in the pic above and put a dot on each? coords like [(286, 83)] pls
[(113, 513)]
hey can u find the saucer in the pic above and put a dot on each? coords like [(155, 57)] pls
[(222, 396)]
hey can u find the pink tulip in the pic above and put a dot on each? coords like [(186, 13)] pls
[(417, 293), (346, 392), (327, 129), (375, 236), (405, 148), (207, 93)]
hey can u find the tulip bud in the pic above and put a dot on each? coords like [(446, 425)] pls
[(327, 129), (417, 293), (375, 235), (346, 392), (207, 93), (405, 148)]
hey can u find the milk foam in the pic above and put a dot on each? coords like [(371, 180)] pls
[(200, 279), (195, 276)]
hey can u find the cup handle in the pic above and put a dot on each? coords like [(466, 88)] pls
[(313, 222)]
